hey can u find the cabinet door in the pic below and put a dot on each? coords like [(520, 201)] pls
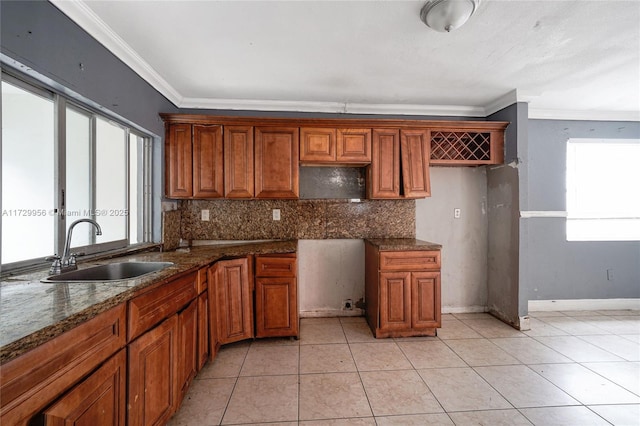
[(238, 162), (178, 161), (276, 151), (153, 375), (188, 353), (425, 300), (203, 329), (276, 307), (208, 174), (317, 145), (395, 301), (99, 400), (354, 146), (384, 171), (233, 300), (415, 151)]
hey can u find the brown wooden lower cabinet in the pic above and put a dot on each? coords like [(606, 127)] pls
[(402, 290), (276, 296), (34, 380), (188, 347), (232, 302), (99, 400), (153, 375)]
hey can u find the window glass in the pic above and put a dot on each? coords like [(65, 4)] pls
[(78, 175), (62, 162), (111, 181), (603, 202), (28, 190)]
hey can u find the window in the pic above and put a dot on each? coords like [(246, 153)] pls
[(62, 162), (603, 195)]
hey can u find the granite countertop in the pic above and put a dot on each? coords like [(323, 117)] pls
[(32, 312), (402, 244)]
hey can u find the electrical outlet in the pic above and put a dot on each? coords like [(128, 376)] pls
[(456, 213), (347, 305), (204, 215), (610, 274), (276, 214)]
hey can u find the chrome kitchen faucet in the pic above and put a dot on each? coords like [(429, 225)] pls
[(68, 260)]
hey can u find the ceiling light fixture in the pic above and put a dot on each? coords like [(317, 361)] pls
[(447, 15)]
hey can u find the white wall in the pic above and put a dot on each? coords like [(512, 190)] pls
[(464, 240), (330, 271)]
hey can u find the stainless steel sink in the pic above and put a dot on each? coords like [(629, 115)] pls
[(110, 272)]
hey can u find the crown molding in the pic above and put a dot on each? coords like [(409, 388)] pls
[(82, 15), (582, 115), (333, 107), (412, 109), (262, 105)]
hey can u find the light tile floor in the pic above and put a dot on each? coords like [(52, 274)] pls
[(571, 368)]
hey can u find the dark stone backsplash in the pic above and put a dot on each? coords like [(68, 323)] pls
[(300, 219)]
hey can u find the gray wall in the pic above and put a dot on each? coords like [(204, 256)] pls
[(38, 35), (464, 240), (556, 268)]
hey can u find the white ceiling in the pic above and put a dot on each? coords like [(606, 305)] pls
[(567, 58)]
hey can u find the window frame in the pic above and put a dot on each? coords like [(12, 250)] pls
[(60, 104)]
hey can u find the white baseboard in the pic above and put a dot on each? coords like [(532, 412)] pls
[(463, 309), (325, 313), (583, 305)]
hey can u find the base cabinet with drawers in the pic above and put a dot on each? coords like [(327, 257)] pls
[(276, 296), (402, 289)]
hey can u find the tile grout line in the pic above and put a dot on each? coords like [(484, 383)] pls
[(235, 384), (364, 389)]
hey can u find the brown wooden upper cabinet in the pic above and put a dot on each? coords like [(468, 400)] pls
[(335, 146), (238, 162), (251, 157), (400, 164), (208, 175), (178, 161), (414, 155), (194, 161), (383, 175), (276, 162)]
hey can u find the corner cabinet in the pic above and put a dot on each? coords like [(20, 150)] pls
[(232, 302), (402, 291)]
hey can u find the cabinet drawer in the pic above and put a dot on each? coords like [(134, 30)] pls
[(276, 266), (410, 260), (33, 380), (151, 308)]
